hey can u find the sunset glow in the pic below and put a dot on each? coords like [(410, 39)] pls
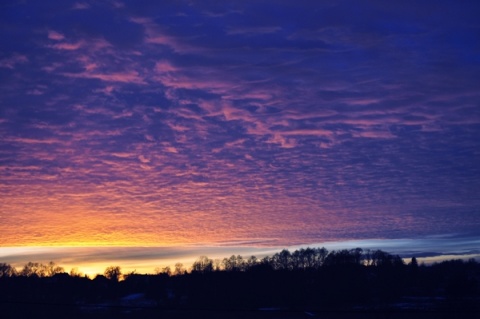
[(240, 127)]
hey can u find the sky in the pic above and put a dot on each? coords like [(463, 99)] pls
[(157, 131)]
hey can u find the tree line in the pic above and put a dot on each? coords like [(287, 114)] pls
[(301, 259), (312, 279)]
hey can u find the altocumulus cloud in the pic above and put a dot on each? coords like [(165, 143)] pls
[(268, 124)]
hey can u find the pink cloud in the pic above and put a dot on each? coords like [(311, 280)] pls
[(91, 66), (295, 115), (67, 46), (52, 67), (381, 118), (149, 138), (374, 134), (53, 35), (212, 14), (81, 6), (143, 159), (314, 132), (10, 63), (118, 4), (187, 114), (231, 113), (25, 140), (35, 92), (106, 90), (123, 114), (235, 143), (171, 149), (182, 81), (177, 127), (165, 66), (254, 95), (122, 77), (431, 128), (156, 36), (283, 141), (364, 101), (249, 157), (253, 30), (122, 155), (20, 168)]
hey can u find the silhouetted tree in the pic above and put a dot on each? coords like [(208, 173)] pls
[(113, 273), (344, 257), (52, 269), (357, 255), (252, 261), (74, 272), (7, 271), (381, 258), (234, 263), (320, 255), (202, 265), (367, 257), (241, 265), (41, 270), (165, 270), (33, 269), (303, 258), (309, 278), (179, 269), (130, 274), (217, 264), (413, 263), (282, 260)]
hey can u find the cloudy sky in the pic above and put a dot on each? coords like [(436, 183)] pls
[(239, 124)]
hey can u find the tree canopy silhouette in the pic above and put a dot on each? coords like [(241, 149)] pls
[(308, 278), (113, 273)]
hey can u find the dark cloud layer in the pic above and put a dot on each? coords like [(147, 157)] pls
[(267, 123)]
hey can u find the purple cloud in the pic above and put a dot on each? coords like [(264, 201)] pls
[(208, 125)]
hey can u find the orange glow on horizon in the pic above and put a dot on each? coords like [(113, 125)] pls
[(142, 260), (171, 142), (69, 219)]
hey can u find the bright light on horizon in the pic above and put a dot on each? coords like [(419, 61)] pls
[(228, 133), (93, 260)]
